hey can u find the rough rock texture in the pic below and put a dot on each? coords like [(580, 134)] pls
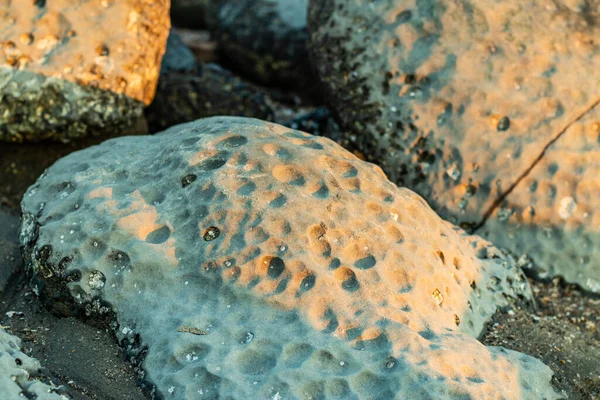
[(248, 260), (265, 39), (70, 68), (553, 215), (458, 100), (206, 92), (16, 370)]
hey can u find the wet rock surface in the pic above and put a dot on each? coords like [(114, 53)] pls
[(196, 223), (65, 74), (460, 101)]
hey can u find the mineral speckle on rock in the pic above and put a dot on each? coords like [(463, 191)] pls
[(459, 100), (69, 69), (348, 285)]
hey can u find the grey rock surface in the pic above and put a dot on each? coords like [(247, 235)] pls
[(248, 260)]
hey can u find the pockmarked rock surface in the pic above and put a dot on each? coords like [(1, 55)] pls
[(249, 260), (68, 69), (17, 372), (265, 39), (459, 100), (553, 214)]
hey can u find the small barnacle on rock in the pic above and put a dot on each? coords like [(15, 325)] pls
[(470, 190), (456, 320), (567, 207), (453, 172), (96, 280), (504, 213), (211, 233), (438, 297)]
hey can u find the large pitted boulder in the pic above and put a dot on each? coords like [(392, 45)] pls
[(460, 100), (71, 68), (17, 373), (249, 260)]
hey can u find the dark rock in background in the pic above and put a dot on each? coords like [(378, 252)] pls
[(190, 14), (266, 40), (210, 91), (177, 57)]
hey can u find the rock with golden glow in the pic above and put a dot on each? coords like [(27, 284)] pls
[(254, 261), (73, 68)]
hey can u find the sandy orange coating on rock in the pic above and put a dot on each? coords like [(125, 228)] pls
[(107, 44), (553, 216), (314, 268)]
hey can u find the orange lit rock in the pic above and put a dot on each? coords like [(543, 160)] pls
[(310, 286)]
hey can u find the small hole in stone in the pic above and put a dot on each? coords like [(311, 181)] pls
[(188, 179)]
